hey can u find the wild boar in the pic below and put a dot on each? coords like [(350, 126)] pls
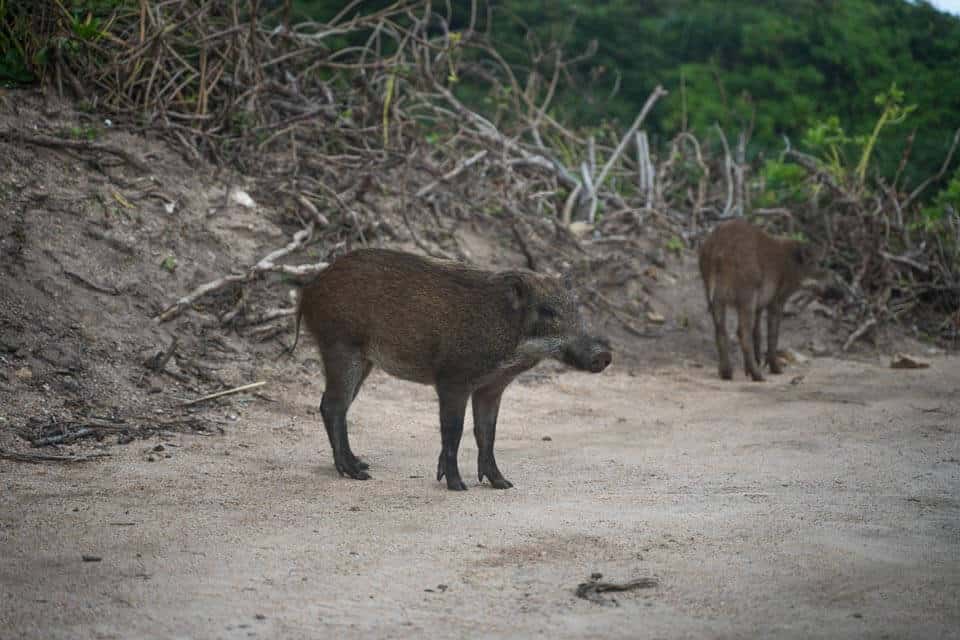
[(745, 268), (465, 331)]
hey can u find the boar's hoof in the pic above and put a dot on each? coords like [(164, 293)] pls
[(726, 373), (454, 483), (350, 469), (600, 361), (359, 464), (500, 483), (497, 481), (775, 368)]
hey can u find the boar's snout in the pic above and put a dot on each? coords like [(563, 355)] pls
[(588, 354)]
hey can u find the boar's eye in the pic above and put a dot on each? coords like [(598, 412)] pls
[(548, 313)]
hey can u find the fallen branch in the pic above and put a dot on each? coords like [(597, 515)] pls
[(592, 589), (159, 361), (220, 394), (267, 263), (939, 174), (524, 248), (658, 92), (860, 332), (923, 268), (487, 131), (77, 145), (93, 286), (64, 438), (450, 175), (36, 458)]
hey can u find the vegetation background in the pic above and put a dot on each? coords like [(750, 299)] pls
[(780, 67), (840, 115)]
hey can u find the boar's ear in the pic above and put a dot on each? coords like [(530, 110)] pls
[(518, 291)]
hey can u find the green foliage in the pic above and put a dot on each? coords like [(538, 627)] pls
[(34, 33), (784, 183), (169, 264), (675, 245), (828, 138), (945, 204), (894, 112), (81, 133), (782, 65)]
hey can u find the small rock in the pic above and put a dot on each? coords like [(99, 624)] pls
[(442, 587), (792, 356), (903, 361), (658, 258), (151, 459), (260, 616), (24, 374), (90, 558), (655, 317), (580, 228), (242, 198), (546, 438), (817, 348), (159, 447)]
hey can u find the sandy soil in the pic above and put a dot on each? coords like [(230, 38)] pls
[(820, 507)]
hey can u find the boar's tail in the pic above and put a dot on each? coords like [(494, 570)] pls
[(296, 328), (710, 287)]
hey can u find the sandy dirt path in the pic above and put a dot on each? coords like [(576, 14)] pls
[(828, 508)]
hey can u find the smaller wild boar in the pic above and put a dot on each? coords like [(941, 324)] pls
[(745, 268), (465, 331)]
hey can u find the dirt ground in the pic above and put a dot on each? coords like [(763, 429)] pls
[(822, 506)]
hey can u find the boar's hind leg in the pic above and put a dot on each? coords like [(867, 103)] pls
[(746, 315), (346, 370), (453, 406), (719, 312), (360, 464), (758, 339), (773, 334), (486, 406)]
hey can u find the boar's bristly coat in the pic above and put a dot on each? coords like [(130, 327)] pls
[(463, 330), (745, 268)]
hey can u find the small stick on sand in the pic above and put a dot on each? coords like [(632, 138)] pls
[(219, 394)]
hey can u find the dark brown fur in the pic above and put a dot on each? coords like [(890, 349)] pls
[(745, 268), (463, 330)]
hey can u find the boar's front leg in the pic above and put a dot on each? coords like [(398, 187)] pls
[(453, 406), (486, 406)]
